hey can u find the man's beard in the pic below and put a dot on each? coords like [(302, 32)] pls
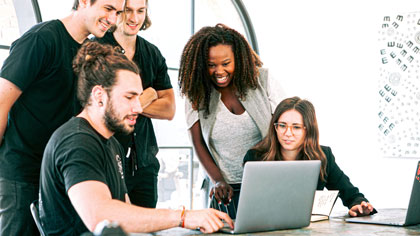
[(113, 123)]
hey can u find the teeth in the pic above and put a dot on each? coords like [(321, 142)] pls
[(221, 79), (104, 25)]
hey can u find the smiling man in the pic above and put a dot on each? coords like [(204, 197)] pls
[(82, 181), (158, 100), (37, 95)]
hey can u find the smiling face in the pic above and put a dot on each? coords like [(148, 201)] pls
[(123, 105), (133, 18), (101, 15), (221, 65), (291, 134)]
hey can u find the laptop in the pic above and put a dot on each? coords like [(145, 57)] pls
[(276, 195), (398, 216)]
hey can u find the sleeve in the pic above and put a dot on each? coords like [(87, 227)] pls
[(163, 80), (337, 180), (191, 115), (275, 91), (80, 160), (26, 60)]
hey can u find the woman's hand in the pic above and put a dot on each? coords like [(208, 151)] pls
[(222, 192), (363, 209)]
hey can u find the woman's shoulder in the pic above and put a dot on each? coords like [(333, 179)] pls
[(263, 76), (251, 155), (328, 153), (325, 148)]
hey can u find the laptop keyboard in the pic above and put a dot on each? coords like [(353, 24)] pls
[(229, 209), (397, 220)]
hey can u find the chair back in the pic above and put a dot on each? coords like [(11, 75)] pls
[(35, 214)]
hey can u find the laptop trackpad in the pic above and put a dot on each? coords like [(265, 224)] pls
[(227, 229)]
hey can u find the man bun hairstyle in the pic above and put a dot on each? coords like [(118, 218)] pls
[(97, 64)]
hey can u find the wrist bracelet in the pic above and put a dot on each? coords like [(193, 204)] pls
[(182, 222)]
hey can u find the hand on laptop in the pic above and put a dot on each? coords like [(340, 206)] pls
[(222, 192), (363, 209), (208, 220)]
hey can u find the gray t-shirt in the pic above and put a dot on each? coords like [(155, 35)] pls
[(231, 137)]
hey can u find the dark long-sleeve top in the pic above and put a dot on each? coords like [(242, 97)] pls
[(335, 179)]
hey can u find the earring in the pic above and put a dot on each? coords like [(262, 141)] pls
[(101, 103)]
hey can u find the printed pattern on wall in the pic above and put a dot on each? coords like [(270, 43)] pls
[(399, 86)]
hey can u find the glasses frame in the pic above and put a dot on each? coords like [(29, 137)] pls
[(276, 125)]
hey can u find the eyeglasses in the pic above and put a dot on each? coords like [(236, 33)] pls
[(296, 129)]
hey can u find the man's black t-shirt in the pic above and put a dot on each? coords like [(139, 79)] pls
[(76, 153), (154, 73), (40, 65)]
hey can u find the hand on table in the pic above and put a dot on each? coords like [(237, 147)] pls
[(208, 220), (363, 209)]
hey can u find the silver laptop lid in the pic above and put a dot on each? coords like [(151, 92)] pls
[(276, 195)]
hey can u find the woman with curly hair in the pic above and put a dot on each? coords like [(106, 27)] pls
[(293, 135), (229, 100)]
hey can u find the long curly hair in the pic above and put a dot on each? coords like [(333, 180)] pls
[(269, 148), (194, 79)]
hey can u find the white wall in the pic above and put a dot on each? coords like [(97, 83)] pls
[(327, 51)]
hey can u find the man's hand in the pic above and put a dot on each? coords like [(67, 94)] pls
[(208, 220), (147, 97)]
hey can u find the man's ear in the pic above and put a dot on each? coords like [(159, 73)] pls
[(99, 96)]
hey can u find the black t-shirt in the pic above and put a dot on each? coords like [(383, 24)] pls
[(40, 64), (76, 153), (154, 73)]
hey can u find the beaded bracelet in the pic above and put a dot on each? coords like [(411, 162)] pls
[(182, 222)]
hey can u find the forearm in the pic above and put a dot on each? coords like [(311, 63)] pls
[(207, 161), (160, 109), (163, 107), (3, 124), (136, 219), (203, 153)]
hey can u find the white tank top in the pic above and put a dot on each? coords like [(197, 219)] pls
[(231, 137)]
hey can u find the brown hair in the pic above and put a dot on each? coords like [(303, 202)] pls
[(147, 22), (97, 64), (194, 79), (269, 148), (76, 4)]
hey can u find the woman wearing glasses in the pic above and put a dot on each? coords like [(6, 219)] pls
[(293, 135), (228, 97)]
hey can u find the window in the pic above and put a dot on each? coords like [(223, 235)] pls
[(9, 30), (176, 177), (53, 9)]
